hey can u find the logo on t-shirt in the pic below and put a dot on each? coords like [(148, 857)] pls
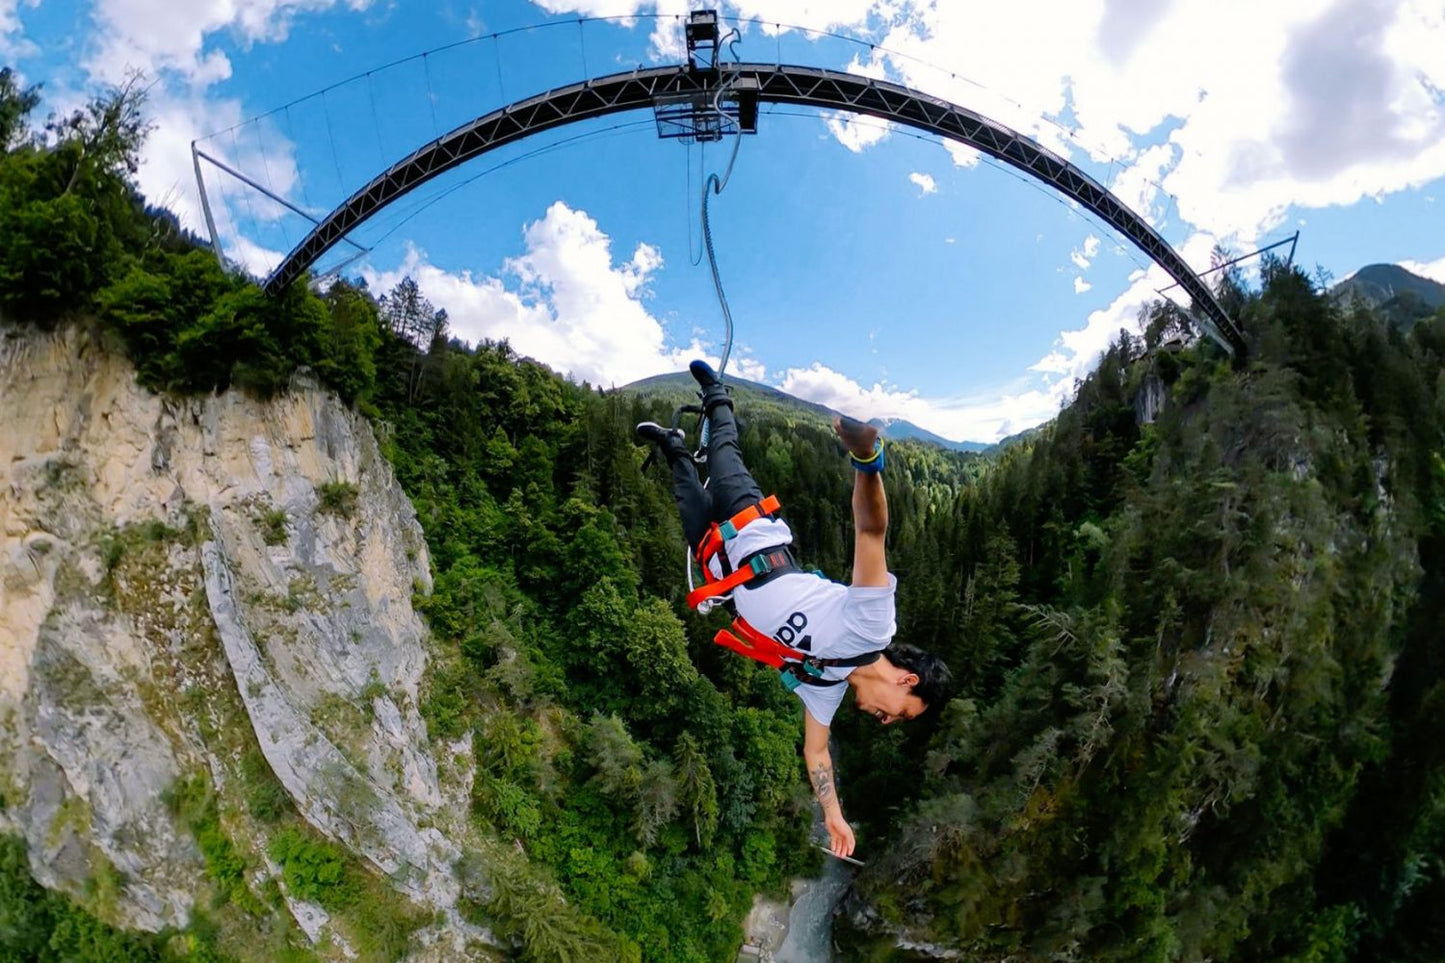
[(796, 623)]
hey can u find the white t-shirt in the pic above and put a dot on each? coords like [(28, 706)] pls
[(814, 614)]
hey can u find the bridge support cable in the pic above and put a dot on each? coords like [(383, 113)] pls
[(198, 155), (777, 84), (1292, 241)]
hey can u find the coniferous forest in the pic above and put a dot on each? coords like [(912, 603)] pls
[(1200, 711)]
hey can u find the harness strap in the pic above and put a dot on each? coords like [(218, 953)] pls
[(797, 667), (757, 565), (712, 542)]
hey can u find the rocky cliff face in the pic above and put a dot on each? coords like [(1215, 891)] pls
[(216, 588)]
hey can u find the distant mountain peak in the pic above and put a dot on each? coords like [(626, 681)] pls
[(1377, 284), (899, 428)]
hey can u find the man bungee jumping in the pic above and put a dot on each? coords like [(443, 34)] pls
[(819, 633)]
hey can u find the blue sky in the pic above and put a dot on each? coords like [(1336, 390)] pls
[(867, 268)]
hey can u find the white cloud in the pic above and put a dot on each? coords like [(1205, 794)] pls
[(925, 183), (1077, 352), (1434, 270), (13, 44), (572, 307), (167, 175), (962, 154), (667, 35), (476, 23), (1083, 256), (983, 419), (1288, 103), (161, 35), (855, 132), (747, 367), (257, 260), (825, 386), (875, 68), (1080, 285), (1137, 185), (168, 42)]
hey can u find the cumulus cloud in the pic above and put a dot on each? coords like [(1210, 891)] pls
[(258, 261), (925, 183), (1434, 270), (1076, 352), (982, 419), (962, 154), (856, 133), (1314, 105), (825, 386), (167, 175), (569, 303), (160, 35), (171, 44), (1286, 128), (1137, 184), (13, 44), (667, 35), (1083, 256), (1080, 285), (747, 367)]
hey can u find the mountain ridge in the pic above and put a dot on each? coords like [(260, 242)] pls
[(679, 387), (1401, 295)]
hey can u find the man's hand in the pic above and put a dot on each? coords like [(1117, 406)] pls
[(840, 834), (820, 774), (858, 437)]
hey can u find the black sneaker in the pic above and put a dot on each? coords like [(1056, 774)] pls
[(653, 433), (713, 392), (704, 375)]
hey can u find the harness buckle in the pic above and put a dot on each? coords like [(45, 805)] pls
[(727, 530), (760, 564)]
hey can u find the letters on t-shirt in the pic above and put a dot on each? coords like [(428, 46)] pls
[(786, 633)]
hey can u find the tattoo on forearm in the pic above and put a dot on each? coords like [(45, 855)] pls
[(822, 777)]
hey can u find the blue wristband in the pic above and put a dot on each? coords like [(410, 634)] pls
[(874, 463)]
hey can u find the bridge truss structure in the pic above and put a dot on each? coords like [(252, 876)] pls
[(700, 87)]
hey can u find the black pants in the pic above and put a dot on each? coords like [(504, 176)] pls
[(730, 487)]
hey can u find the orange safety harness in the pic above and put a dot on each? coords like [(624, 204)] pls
[(711, 547), (796, 666)]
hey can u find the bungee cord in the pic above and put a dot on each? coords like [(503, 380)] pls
[(715, 185)]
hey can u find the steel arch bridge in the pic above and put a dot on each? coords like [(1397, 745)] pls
[(774, 83)]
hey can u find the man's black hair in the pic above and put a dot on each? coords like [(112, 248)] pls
[(934, 678)]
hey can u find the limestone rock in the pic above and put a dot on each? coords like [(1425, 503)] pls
[(170, 567)]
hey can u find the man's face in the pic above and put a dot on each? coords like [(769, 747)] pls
[(888, 704)]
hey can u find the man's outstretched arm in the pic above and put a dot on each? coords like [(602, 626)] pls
[(820, 773), (870, 507)]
